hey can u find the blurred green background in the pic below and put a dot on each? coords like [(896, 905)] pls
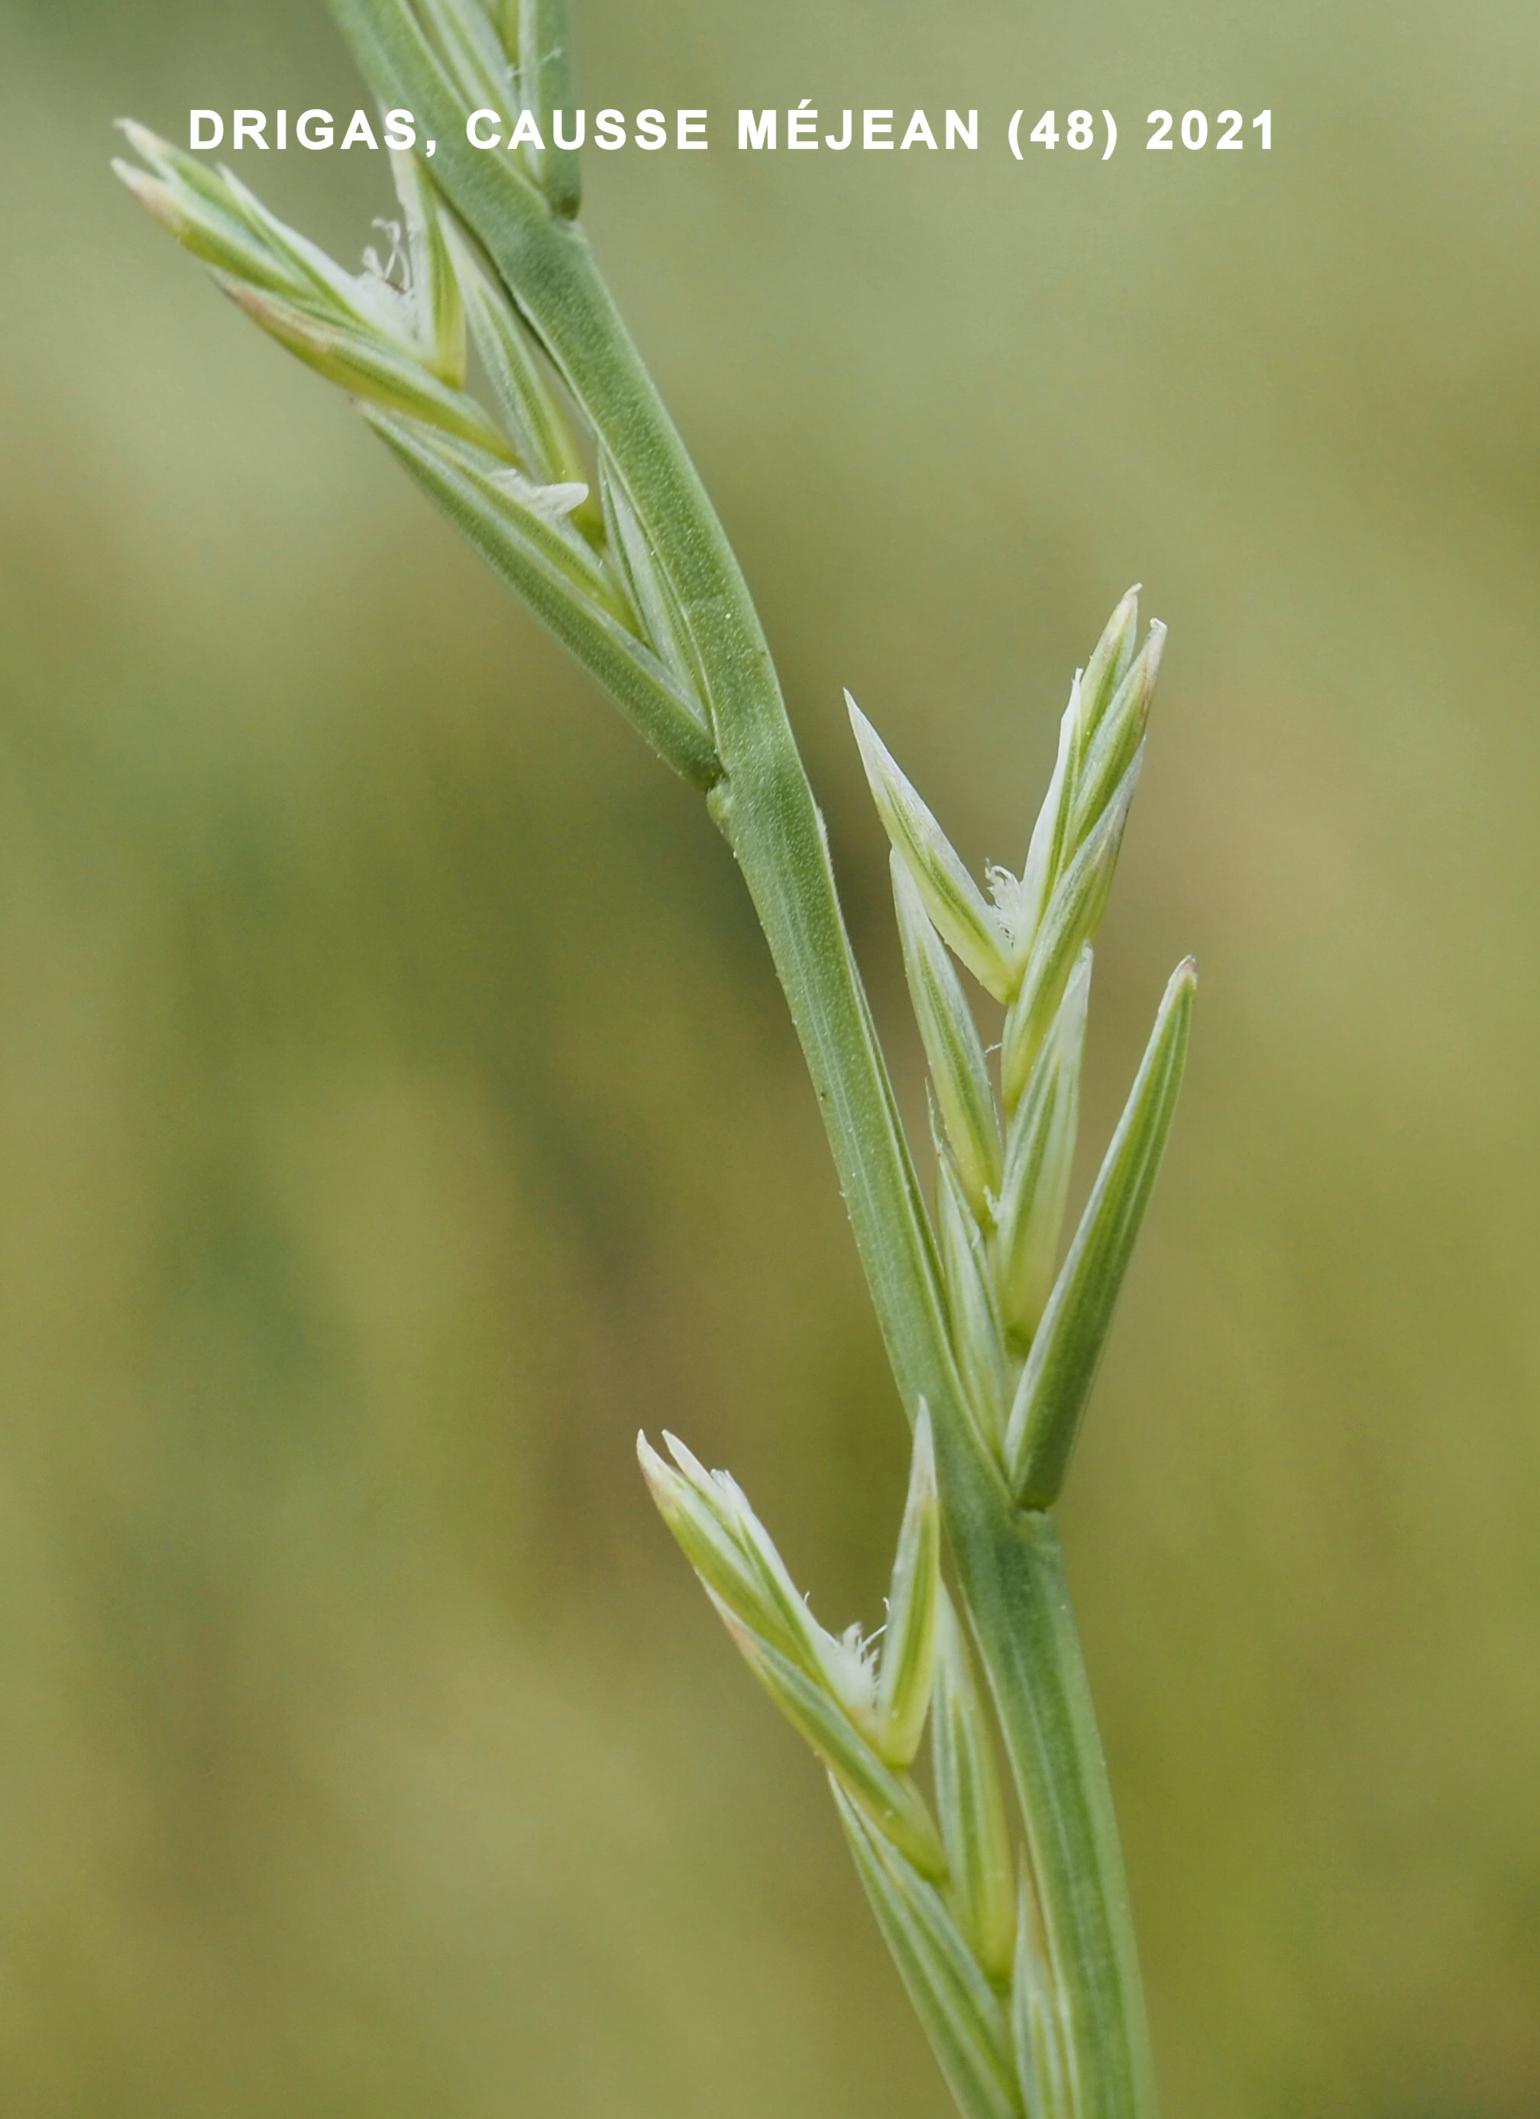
[(396, 1110)]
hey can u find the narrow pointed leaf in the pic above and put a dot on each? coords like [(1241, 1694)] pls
[(1074, 912), (909, 1644), (1067, 812), (962, 914), (367, 366), (545, 79), (1111, 659), (526, 396), (1061, 1368), (542, 515), (1037, 2027), (1035, 1189), (958, 1069), (656, 605), (1045, 852), (435, 289), (977, 1338), (521, 549), (970, 1804), (960, 2013), (890, 1800), (1119, 735)]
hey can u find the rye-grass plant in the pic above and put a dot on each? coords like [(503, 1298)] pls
[(1008, 1919)]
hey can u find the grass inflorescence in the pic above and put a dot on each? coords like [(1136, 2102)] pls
[(484, 350)]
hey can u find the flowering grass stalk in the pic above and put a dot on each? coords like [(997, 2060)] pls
[(1008, 1921)]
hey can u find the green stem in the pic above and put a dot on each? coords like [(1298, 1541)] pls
[(1007, 1559)]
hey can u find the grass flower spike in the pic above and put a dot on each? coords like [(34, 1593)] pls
[(394, 338), (971, 1799), (485, 350), (863, 1718), (1027, 1334), (959, 1072)]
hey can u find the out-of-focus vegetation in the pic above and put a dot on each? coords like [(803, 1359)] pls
[(396, 1110)]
